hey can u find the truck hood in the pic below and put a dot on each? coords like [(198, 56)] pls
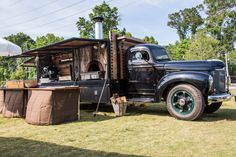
[(208, 65)]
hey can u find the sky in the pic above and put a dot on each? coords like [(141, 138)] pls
[(39, 17)]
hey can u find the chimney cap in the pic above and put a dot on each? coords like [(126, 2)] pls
[(98, 19)]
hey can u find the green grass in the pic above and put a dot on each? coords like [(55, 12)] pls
[(146, 131)]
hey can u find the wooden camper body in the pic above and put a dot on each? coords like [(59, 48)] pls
[(85, 62)]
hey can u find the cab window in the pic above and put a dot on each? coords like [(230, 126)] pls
[(140, 57), (159, 54)]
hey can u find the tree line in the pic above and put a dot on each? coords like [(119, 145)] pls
[(11, 69), (205, 32)]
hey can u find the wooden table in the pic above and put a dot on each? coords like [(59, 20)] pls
[(52, 105)]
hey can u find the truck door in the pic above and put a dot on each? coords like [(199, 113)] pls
[(142, 75)]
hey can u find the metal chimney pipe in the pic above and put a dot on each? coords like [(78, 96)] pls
[(98, 27)]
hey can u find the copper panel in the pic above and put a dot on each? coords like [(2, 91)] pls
[(14, 103), (1, 100), (47, 107)]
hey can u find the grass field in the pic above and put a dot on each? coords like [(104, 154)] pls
[(146, 131)]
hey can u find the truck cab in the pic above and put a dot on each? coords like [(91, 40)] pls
[(145, 69), (188, 87)]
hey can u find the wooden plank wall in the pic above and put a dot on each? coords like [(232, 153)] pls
[(102, 56), (85, 55), (63, 63), (118, 55), (79, 60), (123, 58), (76, 65)]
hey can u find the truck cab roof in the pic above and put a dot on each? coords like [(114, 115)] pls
[(147, 45)]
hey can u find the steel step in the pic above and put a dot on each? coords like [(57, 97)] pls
[(141, 100)]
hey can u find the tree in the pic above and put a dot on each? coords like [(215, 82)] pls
[(46, 40), (22, 40), (150, 39), (6, 67), (176, 21), (203, 47), (85, 28), (19, 73), (221, 21), (11, 68), (179, 49), (122, 32), (111, 21), (232, 62), (186, 21), (40, 42)]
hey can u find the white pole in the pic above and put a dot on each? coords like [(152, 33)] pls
[(227, 70)]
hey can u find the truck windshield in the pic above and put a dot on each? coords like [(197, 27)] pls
[(159, 54)]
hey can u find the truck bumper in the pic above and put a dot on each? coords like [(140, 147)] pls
[(219, 97)]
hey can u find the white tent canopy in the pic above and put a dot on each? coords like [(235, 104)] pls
[(7, 48)]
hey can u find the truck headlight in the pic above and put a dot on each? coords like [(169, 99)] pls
[(210, 79)]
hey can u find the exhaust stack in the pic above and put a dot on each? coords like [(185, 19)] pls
[(98, 27)]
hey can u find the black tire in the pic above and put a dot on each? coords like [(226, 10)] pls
[(185, 102), (212, 107)]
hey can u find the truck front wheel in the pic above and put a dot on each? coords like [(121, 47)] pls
[(185, 102)]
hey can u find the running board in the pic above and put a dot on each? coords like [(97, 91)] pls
[(145, 100)]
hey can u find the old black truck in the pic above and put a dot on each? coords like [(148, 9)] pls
[(130, 67), (188, 87)]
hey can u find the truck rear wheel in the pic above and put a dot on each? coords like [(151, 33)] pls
[(212, 107), (185, 102)]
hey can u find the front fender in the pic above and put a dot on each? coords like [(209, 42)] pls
[(198, 79)]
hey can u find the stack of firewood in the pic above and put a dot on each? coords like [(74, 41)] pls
[(119, 105)]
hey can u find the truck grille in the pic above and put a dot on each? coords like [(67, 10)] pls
[(219, 77)]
